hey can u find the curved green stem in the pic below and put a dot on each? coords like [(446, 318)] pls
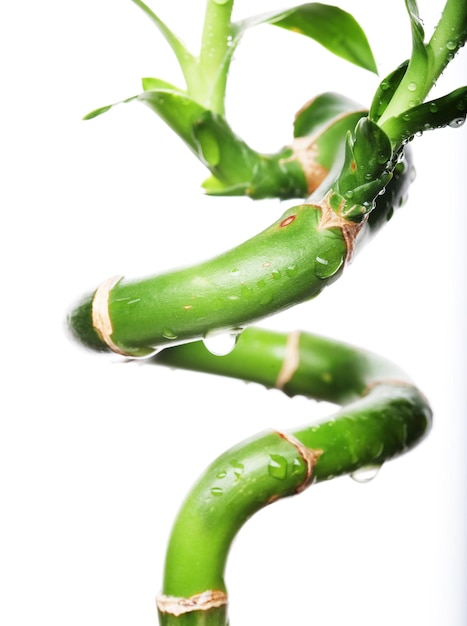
[(449, 36), (384, 415), (290, 262), (323, 369)]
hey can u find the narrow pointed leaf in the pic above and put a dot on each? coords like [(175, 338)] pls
[(365, 172), (419, 61), (148, 83), (177, 109), (328, 25), (185, 58), (449, 110), (385, 91)]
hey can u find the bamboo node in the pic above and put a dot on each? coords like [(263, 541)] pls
[(291, 360), (204, 601), (331, 219), (100, 313), (305, 150), (309, 455)]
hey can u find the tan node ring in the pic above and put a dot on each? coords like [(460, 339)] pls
[(103, 324), (199, 602)]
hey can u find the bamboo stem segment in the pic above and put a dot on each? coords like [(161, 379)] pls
[(290, 262), (383, 415)]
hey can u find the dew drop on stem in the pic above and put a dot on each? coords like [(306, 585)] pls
[(456, 122), (221, 343), (277, 467), (365, 474)]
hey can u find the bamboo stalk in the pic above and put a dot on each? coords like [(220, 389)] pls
[(290, 262), (384, 415)]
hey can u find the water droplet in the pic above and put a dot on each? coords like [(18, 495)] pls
[(382, 158), (412, 86), (325, 268), (276, 274), (365, 474), (221, 474), (384, 85), (168, 333), (277, 467), (456, 122), (217, 491), (238, 469), (297, 467), (451, 45), (266, 299), (291, 270), (349, 194), (140, 354), (406, 117), (221, 343), (433, 107)]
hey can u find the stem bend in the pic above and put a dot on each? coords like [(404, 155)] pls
[(383, 415)]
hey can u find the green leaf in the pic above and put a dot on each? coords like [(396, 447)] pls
[(418, 69), (326, 120), (184, 57), (449, 110), (317, 114), (385, 91), (178, 110), (328, 25), (149, 83), (365, 172)]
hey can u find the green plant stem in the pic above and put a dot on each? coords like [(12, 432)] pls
[(205, 75), (384, 415), (325, 369), (449, 35), (214, 56), (290, 262)]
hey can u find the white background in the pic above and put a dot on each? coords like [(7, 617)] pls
[(96, 454)]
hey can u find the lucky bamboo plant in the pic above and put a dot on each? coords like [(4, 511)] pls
[(351, 167)]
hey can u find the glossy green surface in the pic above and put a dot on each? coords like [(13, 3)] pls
[(327, 369), (278, 268), (389, 420), (289, 262), (231, 490), (383, 415)]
